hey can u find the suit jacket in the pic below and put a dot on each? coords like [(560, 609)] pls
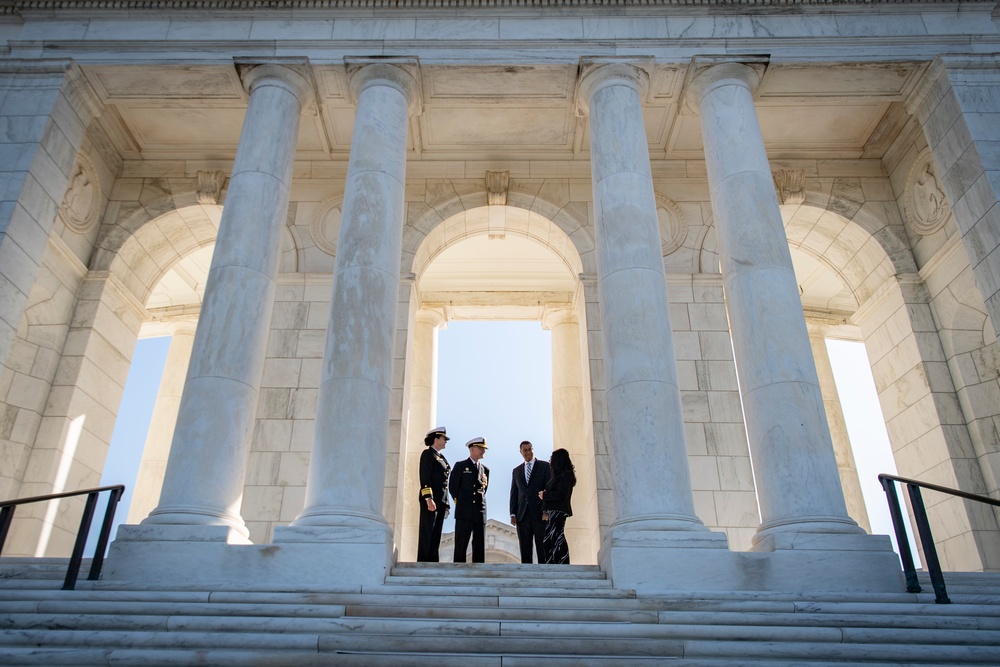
[(434, 471), (469, 491), (524, 500)]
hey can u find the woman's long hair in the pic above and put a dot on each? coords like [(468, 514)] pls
[(562, 465)]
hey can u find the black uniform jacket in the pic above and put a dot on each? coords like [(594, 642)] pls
[(524, 500), (558, 492), (434, 471), (469, 491)]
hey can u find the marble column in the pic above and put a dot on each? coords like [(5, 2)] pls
[(798, 487), (421, 417), (206, 470), (568, 431), (846, 468), (149, 480), (648, 455), (347, 470)]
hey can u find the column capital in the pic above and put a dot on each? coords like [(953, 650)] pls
[(554, 316), (597, 73), (403, 74), (432, 316), (704, 75), (292, 76)]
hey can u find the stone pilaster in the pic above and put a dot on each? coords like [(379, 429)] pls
[(568, 419), (847, 469), (421, 417), (153, 465), (957, 106)]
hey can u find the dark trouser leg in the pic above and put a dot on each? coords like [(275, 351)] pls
[(463, 531), (430, 534), (525, 536), (530, 533), (478, 542)]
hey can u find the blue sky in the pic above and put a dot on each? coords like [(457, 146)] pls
[(494, 381)]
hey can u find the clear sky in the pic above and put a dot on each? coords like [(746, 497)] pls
[(495, 381)]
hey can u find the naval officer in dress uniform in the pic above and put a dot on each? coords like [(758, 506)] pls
[(434, 505), (467, 486)]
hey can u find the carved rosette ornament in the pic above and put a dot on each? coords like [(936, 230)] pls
[(924, 202), (673, 224), (81, 204), (790, 186), (210, 186), (324, 228)]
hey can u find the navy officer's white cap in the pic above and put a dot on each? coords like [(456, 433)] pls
[(439, 430), (479, 442)]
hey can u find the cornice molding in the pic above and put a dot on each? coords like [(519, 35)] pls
[(15, 7)]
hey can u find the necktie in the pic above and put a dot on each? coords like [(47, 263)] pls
[(527, 471)]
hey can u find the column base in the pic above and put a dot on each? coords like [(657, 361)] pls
[(693, 561), (301, 558)]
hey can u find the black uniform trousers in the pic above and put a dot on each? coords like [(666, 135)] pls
[(430, 533), (477, 531)]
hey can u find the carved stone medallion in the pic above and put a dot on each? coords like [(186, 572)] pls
[(324, 228), (924, 202), (81, 204)]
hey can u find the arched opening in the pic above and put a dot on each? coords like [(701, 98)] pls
[(524, 270)]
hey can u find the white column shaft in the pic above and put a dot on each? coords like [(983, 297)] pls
[(648, 453), (149, 480), (421, 418), (846, 468), (206, 470), (797, 482), (347, 470), (582, 531)]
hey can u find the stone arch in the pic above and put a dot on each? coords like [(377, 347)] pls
[(560, 228), (861, 249), (142, 246)]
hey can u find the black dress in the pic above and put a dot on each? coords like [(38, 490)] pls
[(556, 504)]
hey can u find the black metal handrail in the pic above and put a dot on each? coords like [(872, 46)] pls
[(75, 560), (923, 530)]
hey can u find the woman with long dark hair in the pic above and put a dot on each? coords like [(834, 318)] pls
[(556, 506)]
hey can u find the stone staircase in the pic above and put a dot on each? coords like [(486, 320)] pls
[(479, 615)]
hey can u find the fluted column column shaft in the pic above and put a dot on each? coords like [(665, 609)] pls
[(648, 453), (797, 483), (149, 480), (347, 470), (206, 470)]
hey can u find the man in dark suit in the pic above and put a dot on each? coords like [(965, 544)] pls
[(525, 506), (434, 505), (467, 486)]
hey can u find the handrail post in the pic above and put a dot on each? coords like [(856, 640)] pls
[(927, 540), (102, 541), (902, 541), (81, 542), (6, 516)]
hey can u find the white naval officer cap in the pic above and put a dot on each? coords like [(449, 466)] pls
[(439, 430), (478, 442)]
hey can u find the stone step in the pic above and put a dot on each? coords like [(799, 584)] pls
[(499, 571), (461, 582), (332, 650), (506, 590), (48, 657)]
